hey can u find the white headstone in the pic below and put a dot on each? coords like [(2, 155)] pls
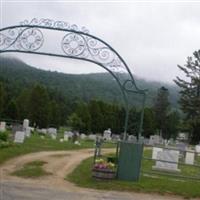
[(26, 123), (167, 155), (132, 138), (154, 139), (52, 131), (92, 137), (2, 126), (69, 133), (61, 140), (197, 149), (66, 137), (83, 136), (77, 143), (28, 132), (107, 135), (155, 152), (189, 158), (53, 136), (19, 137), (43, 131)]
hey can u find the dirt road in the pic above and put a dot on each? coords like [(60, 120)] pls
[(54, 187)]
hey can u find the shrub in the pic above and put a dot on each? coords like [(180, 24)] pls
[(4, 136)]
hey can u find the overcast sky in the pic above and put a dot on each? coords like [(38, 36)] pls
[(152, 37)]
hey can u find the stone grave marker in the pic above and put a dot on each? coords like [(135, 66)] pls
[(42, 131), (92, 137), (17, 127), (66, 137), (181, 146), (26, 123), (107, 135), (2, 126), (19, 137), (197, 149), (189, 158), (154, 139), (83, 136), (155, 152), (167, 155), (28, 132), (132, 138)]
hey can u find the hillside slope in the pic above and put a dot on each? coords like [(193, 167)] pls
[(19, 75)]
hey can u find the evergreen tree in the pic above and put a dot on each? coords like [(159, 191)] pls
[(149, 126), (11, 111), (161, 109), (23, 104), (75, 122), (172, 125), (83, 112), (96, 117), (39, 106), (190, 94)]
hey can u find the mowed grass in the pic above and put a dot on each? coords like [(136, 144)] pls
[(187, 188), (36, 144), (32, 170)]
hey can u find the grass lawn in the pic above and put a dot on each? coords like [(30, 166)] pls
[(32, 170), (35, 144), (158, 184)]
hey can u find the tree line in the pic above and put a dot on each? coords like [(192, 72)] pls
[(45, 107)]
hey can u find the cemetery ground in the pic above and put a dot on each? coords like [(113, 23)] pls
[(148, 183), (37, 143), (54, 186), (59, 169)]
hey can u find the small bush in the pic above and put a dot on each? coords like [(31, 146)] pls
[(4, 136)]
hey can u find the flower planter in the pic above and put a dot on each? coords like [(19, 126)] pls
[(103, 174)]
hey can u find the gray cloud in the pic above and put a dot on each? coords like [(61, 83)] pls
[(152, 37)]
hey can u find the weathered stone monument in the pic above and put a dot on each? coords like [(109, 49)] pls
[(167, 160), (107, 135), (189, 158), (132, 138), (52, 132), (155, 152), (19, 137), (25, 123), (2, 126)]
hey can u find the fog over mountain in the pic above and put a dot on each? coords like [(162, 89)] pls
[(102, 86)]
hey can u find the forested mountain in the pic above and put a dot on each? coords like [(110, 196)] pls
[(18, 75)]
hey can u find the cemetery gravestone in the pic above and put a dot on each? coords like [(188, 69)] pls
[(28, 132), (26, 123), (92, 137), (2, 126), (181, 146), (197, 149), (19, 137), (132, 138), (42, 131), (17, 127), (167, 155), (107, 135), (155, 152), (66, 137), (83, 136), (154, 139), (189, 158)]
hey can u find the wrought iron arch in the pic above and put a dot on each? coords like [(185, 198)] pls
[(75, 43)]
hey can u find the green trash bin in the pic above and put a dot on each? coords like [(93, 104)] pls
[(129, 163)]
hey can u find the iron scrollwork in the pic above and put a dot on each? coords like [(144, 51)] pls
[(77, 43)]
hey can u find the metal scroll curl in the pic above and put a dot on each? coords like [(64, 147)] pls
[(83, 46), (75, 42), (30, 39)]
